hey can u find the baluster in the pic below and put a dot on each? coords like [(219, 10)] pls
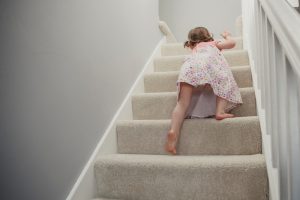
[(259, 50), (256, 39), (263, 58), (251, 31), (273, 95), (281, 76), (293, 131), (272, 123), (267, 76)]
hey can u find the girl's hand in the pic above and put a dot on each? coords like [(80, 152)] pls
[(225, 34), (228, 43)]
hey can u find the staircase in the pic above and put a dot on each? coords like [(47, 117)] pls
[(218, 160)]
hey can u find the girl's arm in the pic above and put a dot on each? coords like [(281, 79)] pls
[(228, 43)]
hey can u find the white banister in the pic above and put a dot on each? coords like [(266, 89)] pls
[(271, 36), (274, 97), (286, 23), (294, 3), (293, 126)]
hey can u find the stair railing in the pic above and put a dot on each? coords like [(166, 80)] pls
[(271, 31)]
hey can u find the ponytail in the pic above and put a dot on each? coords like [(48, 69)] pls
[(191, 44), (186, 44)]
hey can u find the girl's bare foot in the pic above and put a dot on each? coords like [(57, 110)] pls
[(171, 142), (223, 116)]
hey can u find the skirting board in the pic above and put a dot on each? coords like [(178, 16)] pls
[(85, 186)]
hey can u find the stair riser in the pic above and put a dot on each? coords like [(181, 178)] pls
[(198, 137), (166, 82), (161, 105), (178, 49), (173, 63)]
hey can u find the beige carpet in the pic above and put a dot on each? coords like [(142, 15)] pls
[(218, 160)]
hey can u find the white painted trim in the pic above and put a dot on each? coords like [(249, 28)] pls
[(273, 175), (85, 186), (286, 26), (294, 3), (164, 28), (272, 172)]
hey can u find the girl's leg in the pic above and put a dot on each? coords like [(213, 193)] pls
[(220, 109), (178, 116)]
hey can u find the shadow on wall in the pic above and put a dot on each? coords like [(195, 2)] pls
[(66, 66)]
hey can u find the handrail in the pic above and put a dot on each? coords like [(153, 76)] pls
[(286, 23), (271, 36), (293, 3), (164, 28)]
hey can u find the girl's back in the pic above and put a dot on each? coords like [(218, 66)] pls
[(208, 66)]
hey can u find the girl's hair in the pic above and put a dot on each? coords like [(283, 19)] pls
[(197, 35)]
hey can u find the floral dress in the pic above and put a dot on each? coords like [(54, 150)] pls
[(207, 65)]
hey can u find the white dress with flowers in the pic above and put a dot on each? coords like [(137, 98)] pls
[(207, 65)]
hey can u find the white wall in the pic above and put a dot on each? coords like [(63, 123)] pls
[(183, 15), (65, 68)]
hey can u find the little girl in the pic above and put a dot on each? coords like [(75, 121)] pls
[(205, 86)]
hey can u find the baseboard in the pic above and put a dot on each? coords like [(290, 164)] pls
[(85, 186)]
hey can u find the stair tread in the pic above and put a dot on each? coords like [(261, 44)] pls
[(160, 105), (235, 136), (213, 161), (178, 47), (195, 120), (173, 63), (105, 199), (166, 81), (174, 93), (237, 51), (235, 68), (147, 177)]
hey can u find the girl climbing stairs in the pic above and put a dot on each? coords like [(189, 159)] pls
[(218, 160)]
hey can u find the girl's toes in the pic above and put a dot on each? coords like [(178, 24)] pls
[(224, 116), (171, 143), (170, 148), (173, 151)]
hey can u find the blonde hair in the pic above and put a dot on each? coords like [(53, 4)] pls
[(197, 35)]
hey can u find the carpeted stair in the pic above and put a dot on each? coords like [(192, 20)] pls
[(166, 81), (172, 49), (218, 160), (173, 63), (160, 105), (105, 199)]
